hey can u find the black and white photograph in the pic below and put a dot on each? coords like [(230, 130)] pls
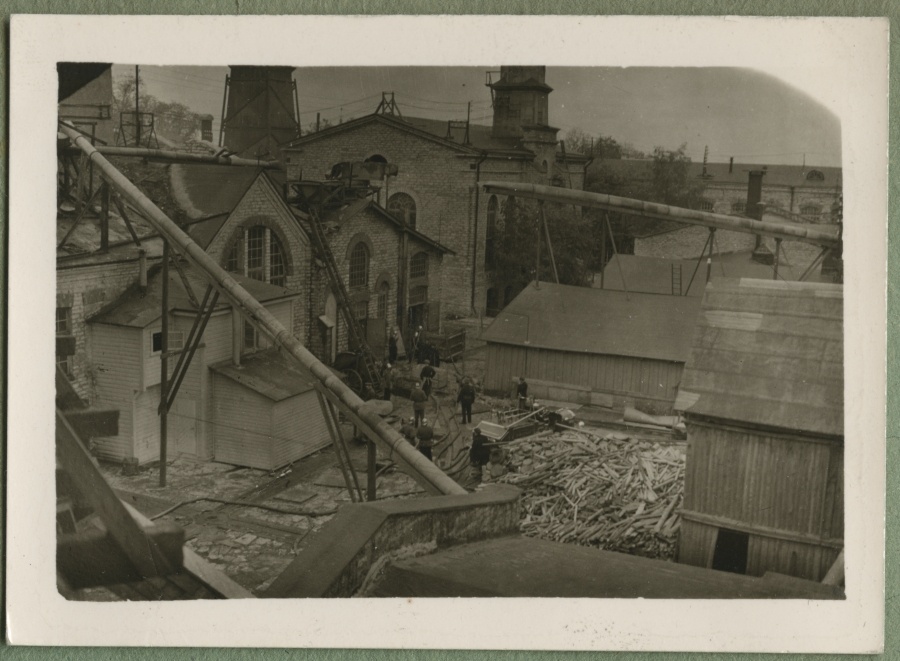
[(532, 325)]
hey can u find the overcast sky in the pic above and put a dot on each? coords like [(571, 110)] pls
[(736, 112)]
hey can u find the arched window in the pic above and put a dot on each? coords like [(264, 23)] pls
[(418, 266), (359, 265), (383, 290), (738, 207), (258, 253), (490, 239), (815, 175), (403, 208)]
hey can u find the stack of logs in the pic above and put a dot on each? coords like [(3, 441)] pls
[(611, 492)]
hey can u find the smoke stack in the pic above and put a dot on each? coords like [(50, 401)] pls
[(142, 271), (731, 165), (754, 210)]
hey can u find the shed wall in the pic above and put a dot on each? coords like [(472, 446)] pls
[(784, 491), (116, 360), (298, 428), (243, 425), (652, 382)]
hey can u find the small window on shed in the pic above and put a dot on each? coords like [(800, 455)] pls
[(815, 175), (176, 341), (418, 265), (63, 321)]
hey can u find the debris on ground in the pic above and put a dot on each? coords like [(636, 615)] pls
[(612, 492)]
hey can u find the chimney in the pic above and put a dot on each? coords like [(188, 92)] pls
[(142, 271), (520, 99), (761, 253), (731, 165)]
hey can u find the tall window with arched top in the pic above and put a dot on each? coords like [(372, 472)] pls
[(815, 175), (257, 252), (490, 239), (418, 266), (383, 290), (359, 265), (403, 208)]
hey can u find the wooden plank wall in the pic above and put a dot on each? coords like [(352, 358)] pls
[(770, 485), (298, 429), (639, 377), (116, 359), (242, 425)]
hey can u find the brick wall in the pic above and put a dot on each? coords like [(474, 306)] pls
[(723, 196), (87, 289), (442, 181), (261, 205)]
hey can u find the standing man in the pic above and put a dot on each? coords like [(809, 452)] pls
[(408, 430), (417, 339), (466, 397), (387, 378), (522, 394), (479, 455), (425, 434), (418, 398), (392, 345), (427, 375)]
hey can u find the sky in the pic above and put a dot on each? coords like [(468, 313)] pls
[(739, 112)]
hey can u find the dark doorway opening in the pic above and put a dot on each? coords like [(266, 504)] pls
[(731, 551)]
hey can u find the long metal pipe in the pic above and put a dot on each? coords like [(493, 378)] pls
[(423, 471), (662, 211), (184, 157)]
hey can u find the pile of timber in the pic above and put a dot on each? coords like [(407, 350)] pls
[(612, 492)]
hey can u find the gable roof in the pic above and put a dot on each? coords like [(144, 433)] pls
[(598, 321), (770, 354), (138, 310), (422, 238)]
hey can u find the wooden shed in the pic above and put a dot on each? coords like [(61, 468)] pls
[(266, 411), (592, 346), (762, 396)]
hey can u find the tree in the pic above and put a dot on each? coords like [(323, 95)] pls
[(518, 233), (671, 182), (599, 147), (172, 120)]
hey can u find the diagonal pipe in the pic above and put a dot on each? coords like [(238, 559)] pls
[(634, 207), (429, 476)]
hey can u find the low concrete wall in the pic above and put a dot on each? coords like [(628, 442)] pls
[(339, 558)]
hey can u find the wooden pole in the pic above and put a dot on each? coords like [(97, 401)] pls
[(371, 465), (549, 244), (164, 368), (137, 112), (777, 256)]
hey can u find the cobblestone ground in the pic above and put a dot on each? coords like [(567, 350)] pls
[(251, 524)]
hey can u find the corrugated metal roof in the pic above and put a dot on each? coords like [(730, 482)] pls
[(138, 311), (598, 321), (268, 373), (770, 354)]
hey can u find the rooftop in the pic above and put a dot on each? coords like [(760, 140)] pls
[(268, 373), (598, 321), (137, 310), (768, 353)]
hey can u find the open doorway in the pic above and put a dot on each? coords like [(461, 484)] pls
[(731, 551)]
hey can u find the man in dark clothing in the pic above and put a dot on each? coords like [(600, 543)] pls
[(425, 434), (408, 430), (418, 397), (427, 375), (522, 394), (479, 455), (416, 339), (387, 379), (466, 397), (392, 346)]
